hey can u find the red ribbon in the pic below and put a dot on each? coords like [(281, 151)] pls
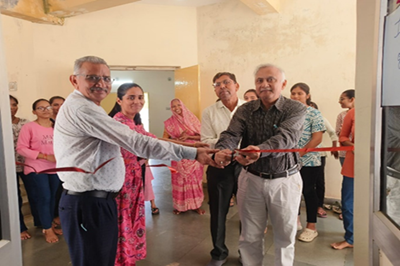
[(173, 170), (80, 170), (67, 169), (344, 148)]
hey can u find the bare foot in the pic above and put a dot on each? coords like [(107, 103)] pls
[(57, 221), (25, 235), (232, 202), (57, 231), (50, 235), (176, 212), (341, 245), (200, 211), (321, 213)]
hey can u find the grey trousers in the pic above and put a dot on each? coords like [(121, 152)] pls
[(280, 199)]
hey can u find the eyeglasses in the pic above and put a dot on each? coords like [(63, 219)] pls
[(225, 82), (42, 108), (96, 79)]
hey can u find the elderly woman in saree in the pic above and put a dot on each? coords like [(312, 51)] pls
[(187, 189)]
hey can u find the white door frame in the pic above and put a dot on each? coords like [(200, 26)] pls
[(373, 231), (10, 242)]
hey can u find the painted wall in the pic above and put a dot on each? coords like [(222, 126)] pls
[(40, 57), (308, 39)]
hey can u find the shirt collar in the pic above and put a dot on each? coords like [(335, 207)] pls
[(278, 104), (219, 104), (78, 92)]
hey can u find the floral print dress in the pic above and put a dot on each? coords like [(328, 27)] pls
[(130, 203)]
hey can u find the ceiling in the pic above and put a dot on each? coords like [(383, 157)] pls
[(192, 3), (56, 11)]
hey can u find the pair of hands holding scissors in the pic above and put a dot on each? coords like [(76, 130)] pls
[(225, 157)]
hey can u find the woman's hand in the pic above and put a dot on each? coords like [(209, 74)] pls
[(184, 136), (51, 158), (201, 145), (47, 157)]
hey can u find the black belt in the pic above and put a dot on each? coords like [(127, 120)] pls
[(286, 173), (393, 173), (94, 193)]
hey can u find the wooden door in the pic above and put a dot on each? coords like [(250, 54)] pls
[(187, 88)]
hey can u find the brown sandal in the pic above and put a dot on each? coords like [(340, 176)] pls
[(155, 211)]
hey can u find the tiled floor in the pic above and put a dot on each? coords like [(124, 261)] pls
[(184, 240)]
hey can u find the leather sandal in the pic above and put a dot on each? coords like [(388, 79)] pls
[(155, 211)]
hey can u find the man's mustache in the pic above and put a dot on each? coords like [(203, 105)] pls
[(93, 89)]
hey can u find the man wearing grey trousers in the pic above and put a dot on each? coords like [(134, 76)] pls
[(269, 183)]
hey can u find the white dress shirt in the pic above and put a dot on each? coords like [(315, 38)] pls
[(331, 132), (85, 137), (215, 119)]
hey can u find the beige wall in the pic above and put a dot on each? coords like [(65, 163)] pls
[(307, 39), (40, 57), (312, 41)]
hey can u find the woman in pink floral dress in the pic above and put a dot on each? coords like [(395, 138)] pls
[(187, 189), (131, 212)]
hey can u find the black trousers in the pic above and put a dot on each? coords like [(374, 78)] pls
[(320, 185), (90, 228), (221, 183), (309, 176)]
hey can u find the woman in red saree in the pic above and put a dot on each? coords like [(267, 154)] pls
[(187, 188)]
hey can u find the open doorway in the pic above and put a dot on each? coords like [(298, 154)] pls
[(159, 88)]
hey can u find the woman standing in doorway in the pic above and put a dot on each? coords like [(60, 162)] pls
[(187, 189)]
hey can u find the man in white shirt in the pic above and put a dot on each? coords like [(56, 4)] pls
[(85, 137), (221, 183)]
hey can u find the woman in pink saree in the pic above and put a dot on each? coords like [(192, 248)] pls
[(187, 189)]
